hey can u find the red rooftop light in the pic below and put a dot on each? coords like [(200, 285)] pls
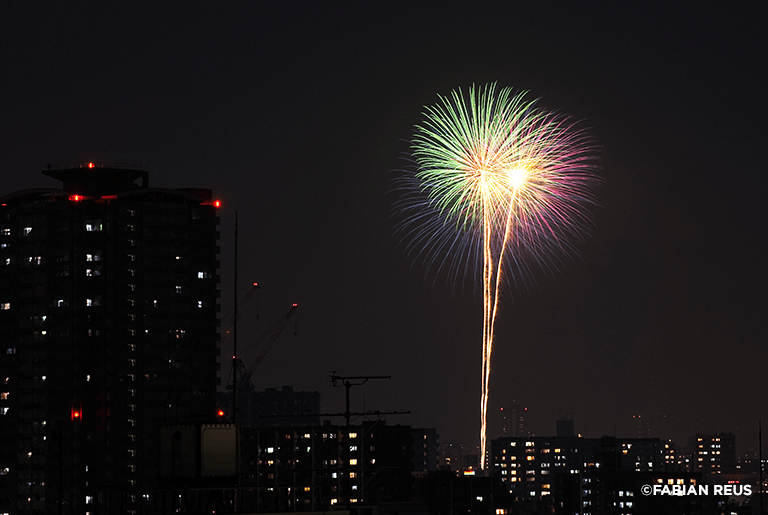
[(217, 203), (91, 165)]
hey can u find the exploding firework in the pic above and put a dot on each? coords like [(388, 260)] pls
[(497, 183)]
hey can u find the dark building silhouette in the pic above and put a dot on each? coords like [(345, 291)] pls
[(108, 290), (326, 467), (531, 466), (273, 407)]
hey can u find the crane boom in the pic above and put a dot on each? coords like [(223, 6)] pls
[(271, 336), (238, 313)]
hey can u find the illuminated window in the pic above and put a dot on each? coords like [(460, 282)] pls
[(26, 231), (93, 225), (92, 272), (353, 435), (93, 257), (6, 231), (353, 461), (5, 306), (203, 275), (4, 395), (178, 289)]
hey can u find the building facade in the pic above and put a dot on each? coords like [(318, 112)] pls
[(326, 467), (109, 299)]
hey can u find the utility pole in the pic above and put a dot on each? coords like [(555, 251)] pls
[(234, 338)]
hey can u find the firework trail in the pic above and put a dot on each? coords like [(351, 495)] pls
[(497, 183)]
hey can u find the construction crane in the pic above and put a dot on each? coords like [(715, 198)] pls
[(238, 313), (244, 374)]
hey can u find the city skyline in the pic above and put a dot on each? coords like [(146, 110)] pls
[(295, 115)]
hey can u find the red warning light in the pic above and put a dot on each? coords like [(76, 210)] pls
[(295, 305), (220, 413), (91, 165), (76, 198), (217, 203), (255, 284)]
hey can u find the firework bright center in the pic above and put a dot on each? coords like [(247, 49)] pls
[(517, 177)]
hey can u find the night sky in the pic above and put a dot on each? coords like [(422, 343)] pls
[(296, 115)]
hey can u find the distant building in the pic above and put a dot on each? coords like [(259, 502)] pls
[(425, 447), (325, 467), (458, 457), (529, 465), (273, 407), (108, 328), (713, 453), (513, 420)]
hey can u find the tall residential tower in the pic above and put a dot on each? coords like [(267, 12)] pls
[(108, 329)]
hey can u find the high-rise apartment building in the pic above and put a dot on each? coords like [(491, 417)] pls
[(108, 329), (714, 453)]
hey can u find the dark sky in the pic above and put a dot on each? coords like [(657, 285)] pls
[(296, 113)]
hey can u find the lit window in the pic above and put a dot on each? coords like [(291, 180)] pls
[(202, 275), (8, 261), (6, 231), (178, 290), (92, 272), (27, 231), (93, 257), (353, 461), (353, 435), (4, 410), (199, 303), (96, 301), (11, 350), (5, 306), (4, 395), (93, 225)]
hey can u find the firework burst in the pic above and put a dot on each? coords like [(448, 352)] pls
[(496, 183)]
